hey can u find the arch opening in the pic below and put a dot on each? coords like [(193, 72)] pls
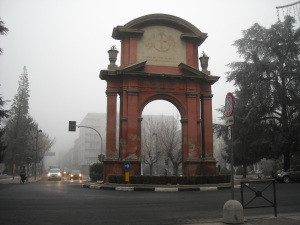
[(161, 139)]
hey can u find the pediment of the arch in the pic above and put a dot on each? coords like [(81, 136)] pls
[(135, 67), (138, 26)]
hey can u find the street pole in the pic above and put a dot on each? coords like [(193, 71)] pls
[(229, 106), (36, 151), (101, 153), (231, 164), (155, 134)]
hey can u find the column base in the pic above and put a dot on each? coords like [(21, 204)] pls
[(116, 167), (194, 167)]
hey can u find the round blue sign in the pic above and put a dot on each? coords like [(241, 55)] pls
[(127, 166)]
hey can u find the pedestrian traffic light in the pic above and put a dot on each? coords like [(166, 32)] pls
[(72, 125)]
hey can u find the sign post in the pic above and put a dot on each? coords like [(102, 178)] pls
[(229, 106), (127, 168)]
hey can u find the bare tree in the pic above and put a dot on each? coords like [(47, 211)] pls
[(161, 139), (150, 155), (171, 139)]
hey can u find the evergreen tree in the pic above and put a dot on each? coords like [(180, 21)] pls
[(3, 31), (248, 136), (268, 91), (19, 125), (3, 114)]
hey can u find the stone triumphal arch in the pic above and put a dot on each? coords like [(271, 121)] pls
[(159, 60)]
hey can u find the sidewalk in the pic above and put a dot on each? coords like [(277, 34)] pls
[(283, 219), (8, 179)]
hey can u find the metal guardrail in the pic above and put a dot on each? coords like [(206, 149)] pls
[(257, 191)]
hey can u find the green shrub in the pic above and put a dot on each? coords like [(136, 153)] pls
[(225, 171), (96, 171), (171, 180)]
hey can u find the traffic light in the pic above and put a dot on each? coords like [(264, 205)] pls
[(72, 125)]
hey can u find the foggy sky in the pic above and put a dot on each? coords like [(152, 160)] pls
[(64, 44)]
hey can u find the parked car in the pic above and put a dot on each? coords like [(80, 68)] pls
[(54, 174), (289, 175), (75, 175)]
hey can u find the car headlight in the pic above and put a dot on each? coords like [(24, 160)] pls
[(80, 175), (59, 174), (279, 174), (71, 175), (48, 174)]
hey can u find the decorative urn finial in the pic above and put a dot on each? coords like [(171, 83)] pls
[(112, 53), (204, 63)]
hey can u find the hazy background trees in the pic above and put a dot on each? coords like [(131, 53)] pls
[(171, 139), (150, 145), (267, 120), (161, 144)]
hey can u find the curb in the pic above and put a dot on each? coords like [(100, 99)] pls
[(156, 189)]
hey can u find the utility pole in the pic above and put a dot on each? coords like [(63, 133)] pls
[(155, 134), (36, 150), (229, 106), (101, 153)]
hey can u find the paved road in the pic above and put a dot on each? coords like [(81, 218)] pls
[(66, 202)]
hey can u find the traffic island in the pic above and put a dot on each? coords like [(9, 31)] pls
[(157, 188)]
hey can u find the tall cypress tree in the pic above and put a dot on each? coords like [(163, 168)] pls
[(18, 125), (3, 114), (3, 31)]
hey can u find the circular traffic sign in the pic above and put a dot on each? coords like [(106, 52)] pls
[(229, 104), (127, 166)]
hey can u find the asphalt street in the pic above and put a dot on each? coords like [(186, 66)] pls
[(66, 202)]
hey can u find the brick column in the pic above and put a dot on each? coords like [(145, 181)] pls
[(193, 145), (207, 126), (123, 124), (185, 148), (132, 135), (111, 124)]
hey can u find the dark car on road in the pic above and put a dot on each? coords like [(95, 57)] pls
[(289, 175), (75, 175)]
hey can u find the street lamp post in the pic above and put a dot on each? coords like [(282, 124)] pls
[(36, 150), (101, 154), (155, 134)]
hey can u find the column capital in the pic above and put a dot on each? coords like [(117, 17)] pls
[(111, 92), (191, 94), (206, 96), (124, 118), (132, 91), (184, 120)]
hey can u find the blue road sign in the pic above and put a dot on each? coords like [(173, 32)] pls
[(127, 166)]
